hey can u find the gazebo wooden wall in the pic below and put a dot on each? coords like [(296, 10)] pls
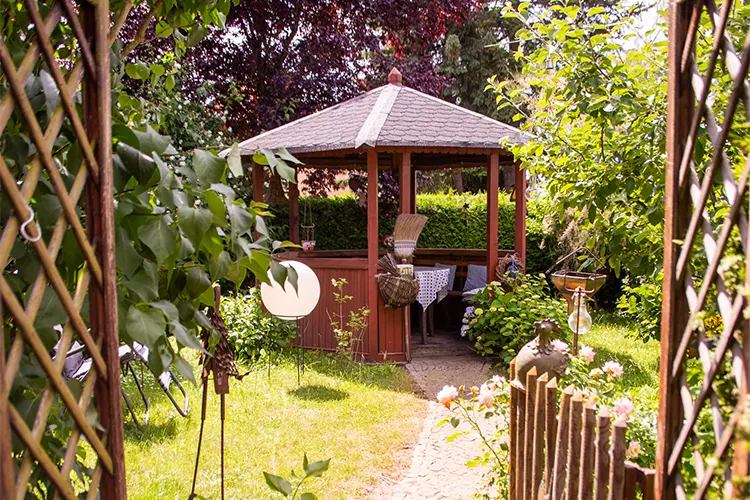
[(388, 329)]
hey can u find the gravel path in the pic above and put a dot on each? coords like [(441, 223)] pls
[(438, 469)]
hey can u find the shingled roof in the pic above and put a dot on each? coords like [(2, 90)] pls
[(391, 115)]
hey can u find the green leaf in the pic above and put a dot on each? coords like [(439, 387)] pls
[(240, 218), (51, 311), (169, 83), (169, 309), (208, 167), (184, 337), (279, 273), (185, 369), (219, 267), (146, 326), (159, 237), (194, 222), (286, 155), (234, 161), (197, 282), (308, 496), (142, 285), (136, 163), (216, 205), (152, 142), (278, 484), (196, 35), (316, 469), (48, 210)]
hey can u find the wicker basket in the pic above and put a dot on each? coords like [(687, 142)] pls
[(397, 289), (502, 267)]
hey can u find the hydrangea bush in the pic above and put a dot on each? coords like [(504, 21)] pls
[(502, 318), (599, 385)]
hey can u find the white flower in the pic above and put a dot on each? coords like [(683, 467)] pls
[(447, 395), (587, 354), (498, 379), (613, 369), (486, 398)]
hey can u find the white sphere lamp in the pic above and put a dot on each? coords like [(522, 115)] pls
[(287, 303)]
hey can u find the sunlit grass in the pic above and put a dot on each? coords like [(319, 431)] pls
[(362, 417), (611, 337)]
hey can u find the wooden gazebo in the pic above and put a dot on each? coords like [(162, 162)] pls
[(392, 127)]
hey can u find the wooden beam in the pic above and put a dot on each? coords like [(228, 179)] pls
[(372, 251), (405, 192), (493, 186), (294, 210), (258, 179), (520, 231), (413, 195)]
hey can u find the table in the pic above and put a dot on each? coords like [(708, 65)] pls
[(433, 287)]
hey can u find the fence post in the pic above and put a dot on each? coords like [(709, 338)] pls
[(602, 454), (574, 447), (550, 404), (513, 425), (520, 440), (561, 453), (587, 451), (537, 468), (530, 431), (617, 467)]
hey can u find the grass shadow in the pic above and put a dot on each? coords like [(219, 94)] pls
[(386, 375), (318, 393), (150, 434)]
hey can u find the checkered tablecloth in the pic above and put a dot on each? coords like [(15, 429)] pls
[(433, 284)]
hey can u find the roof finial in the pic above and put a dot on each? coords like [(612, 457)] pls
[(394, 77)]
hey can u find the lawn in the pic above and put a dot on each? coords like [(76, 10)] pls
[(612, 338), (363, 417)]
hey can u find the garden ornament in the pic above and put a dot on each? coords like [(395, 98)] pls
[(292, 303), (579, 320), (544, 353), (223, 366)]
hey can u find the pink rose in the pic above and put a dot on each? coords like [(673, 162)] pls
[(634, 450), (613, 369), (447, 395), (486, 398), (622, 407), (596, 373), (587, 354), (560, 346)]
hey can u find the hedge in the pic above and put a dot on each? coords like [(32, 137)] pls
[(454, 221)]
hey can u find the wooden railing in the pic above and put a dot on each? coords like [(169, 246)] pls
[(572, 453)]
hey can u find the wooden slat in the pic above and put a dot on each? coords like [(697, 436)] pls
[(537, 466), (513, 429), (550, 433), (561, 452), (520, 474), (520, 213), (493, 180), (574, 448), (617, 466), (373, 240), (529, 432), (601, 466), (586, 489)]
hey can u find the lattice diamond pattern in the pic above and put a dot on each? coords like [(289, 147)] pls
[(18, 186), (701, 188)]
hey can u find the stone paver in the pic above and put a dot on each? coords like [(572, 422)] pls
[(438, 469)]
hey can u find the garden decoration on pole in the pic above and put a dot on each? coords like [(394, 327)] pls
[(568, 282), (293, 300), (579, 320), (223, 366), (308, 244)]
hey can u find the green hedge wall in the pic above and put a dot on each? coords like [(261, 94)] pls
[(454, 221)]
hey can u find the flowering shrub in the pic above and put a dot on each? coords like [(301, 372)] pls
[(254, 333), (490, 403), (502, 321)]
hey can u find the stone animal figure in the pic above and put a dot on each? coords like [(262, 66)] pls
[(542, 352)]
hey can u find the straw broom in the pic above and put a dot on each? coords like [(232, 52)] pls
[(405, 234)]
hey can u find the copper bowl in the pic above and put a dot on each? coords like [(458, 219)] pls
[(568, 281)]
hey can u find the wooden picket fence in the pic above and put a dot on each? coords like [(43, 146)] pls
[(572, 454)]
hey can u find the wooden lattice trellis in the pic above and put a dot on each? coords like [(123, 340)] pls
[(94, 28), (693, 188)]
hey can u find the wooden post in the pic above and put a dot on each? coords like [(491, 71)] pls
[(529, 431), (100, 222), (294, 210), (601, 467), (550, 426), (537, 466), (258, 179), (674, 312), (520, 214), (520, 475), (413, 196), (617, 466), (587, 451), (493, 186), (405, 189), (561, 453), (372, 251), (574, 448), (513, 429)]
